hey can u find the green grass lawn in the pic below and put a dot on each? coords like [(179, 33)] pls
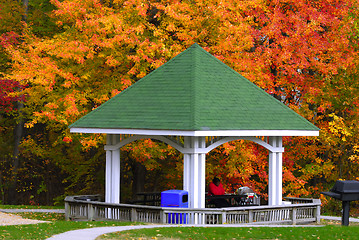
[(45, 230), (327, 232), (56, 225), (29, 207), (331, 230), (42, 216)]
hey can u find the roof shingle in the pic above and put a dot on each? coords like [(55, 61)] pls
[(194, 91)]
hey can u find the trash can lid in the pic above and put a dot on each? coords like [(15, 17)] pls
[(176, 191)]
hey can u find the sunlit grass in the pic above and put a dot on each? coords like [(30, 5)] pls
[(30, 207), (46, 230), (290, 233), (42, 216)]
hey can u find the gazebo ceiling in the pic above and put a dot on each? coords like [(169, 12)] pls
[(195, 94)]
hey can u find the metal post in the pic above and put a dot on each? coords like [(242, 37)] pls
[(345, 216)]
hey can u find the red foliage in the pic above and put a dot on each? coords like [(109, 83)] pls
[(7, 94), (67, 139), (9, 38)]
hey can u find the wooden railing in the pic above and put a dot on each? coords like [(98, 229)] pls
[(76, 209)]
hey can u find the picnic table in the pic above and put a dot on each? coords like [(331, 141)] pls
[(147, 198), (235, 200)]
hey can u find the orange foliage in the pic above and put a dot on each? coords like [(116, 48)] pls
[(303, 52)]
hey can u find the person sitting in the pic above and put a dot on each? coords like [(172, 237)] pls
[(216, 188)]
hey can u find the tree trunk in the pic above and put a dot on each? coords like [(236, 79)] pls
[(18, 133), (139, 178), (25, 4)]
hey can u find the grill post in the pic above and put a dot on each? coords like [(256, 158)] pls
[(345, 216), (345, 191)]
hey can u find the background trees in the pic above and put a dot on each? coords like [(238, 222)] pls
[(74, 55)]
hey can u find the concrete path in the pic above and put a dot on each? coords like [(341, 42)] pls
[(93, 233), (338, 218)]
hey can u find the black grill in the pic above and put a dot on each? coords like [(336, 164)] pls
[(345, 191)]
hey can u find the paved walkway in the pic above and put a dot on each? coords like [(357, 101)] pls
[(93, 233), (339, 218)]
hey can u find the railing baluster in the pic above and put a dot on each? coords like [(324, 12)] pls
[(93, 210)]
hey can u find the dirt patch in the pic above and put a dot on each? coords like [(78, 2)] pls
[(11, 219)]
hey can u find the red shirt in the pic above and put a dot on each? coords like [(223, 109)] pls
[(215, 190)]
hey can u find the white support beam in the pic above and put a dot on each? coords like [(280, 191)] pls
[(112, 182), (108, 177), (116, 176), (194, 171), (186, 164), (279, 171), (202, 173), (275, 173)]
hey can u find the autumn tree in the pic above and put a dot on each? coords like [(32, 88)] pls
[(14, 15), (299, 51)]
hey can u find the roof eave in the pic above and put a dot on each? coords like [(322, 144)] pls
[(202, 133)]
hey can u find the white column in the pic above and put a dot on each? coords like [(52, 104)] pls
[(108, 176), (275, 172), (272, 179), (279, 171), (112, 185), (186, 164), (116, 176), (202, 173), (194, 171)]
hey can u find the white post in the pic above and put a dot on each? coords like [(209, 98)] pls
[(279, 172), (275, 173), (272, 176), (112, 185), (202, 173), (186, 164), (108, 176), (194, 171), (116, 176)]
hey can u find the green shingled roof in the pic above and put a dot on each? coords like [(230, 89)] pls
[(194, 91)]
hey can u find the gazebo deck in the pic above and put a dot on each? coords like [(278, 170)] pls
[(301, 210)]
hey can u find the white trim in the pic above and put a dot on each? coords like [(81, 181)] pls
[(245, 133), (189, 150), (253, 139), (139, 137)]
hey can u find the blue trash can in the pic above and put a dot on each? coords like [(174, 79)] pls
[(175, 199)]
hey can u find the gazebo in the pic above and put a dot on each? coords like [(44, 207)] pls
[(194, 103)]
